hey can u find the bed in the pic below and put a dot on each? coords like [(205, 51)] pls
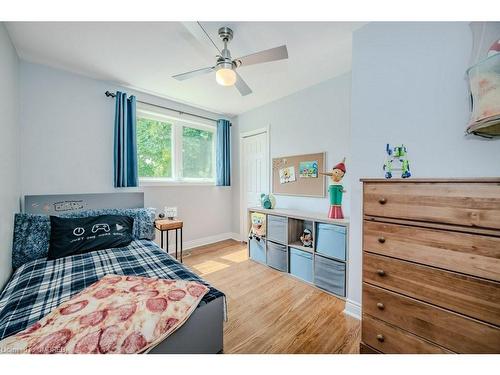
[(39, 286)]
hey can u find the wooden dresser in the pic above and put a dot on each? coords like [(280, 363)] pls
[(431, 266)]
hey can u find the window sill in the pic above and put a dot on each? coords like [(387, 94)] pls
[(160, 182)]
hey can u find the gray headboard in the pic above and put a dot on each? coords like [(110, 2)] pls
[(54, 204)]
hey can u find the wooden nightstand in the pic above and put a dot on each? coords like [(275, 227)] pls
[(166, 225)]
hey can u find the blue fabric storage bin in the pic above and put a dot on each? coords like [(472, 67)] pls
[(331, 240), (276, 256), (277, 229), (301, 264), (257, 250), (329, 274)]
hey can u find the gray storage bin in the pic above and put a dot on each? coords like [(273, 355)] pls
[(301, 264), (331, 240), (257, 250), (276, 256), (277, 229), (329, 275)]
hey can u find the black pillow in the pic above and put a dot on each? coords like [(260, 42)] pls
[(69, 236)]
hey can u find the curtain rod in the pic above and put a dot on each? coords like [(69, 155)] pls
[(112, 94)]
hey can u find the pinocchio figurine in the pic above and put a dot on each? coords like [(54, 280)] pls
[(336, 190)]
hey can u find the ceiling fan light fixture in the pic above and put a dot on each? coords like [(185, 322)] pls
[(225, 66), (225, 77)]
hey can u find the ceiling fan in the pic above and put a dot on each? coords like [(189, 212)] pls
[(225, 67)]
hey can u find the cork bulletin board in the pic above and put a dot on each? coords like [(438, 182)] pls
[(299, 175)]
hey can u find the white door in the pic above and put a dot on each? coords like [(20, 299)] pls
[(254, 173)]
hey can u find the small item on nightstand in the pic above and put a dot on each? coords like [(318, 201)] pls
[(170, 212), (161, 215), (336, 190), (268, 201), (306, 238), (258, 229)]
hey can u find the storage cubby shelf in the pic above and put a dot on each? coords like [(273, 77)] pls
[(325, 268)]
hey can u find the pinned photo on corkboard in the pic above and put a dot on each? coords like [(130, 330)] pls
[(287, 175), (308, 169), (298, 175)]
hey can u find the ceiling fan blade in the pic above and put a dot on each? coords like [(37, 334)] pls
[(193, 73), (202, 37), (273, 54), (242, 86)]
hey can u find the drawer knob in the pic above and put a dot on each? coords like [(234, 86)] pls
[(382, 200), (381, 239), (380, 306), (380, 337), (381, 272)]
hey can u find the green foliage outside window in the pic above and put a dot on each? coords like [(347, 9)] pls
[(155, 152), (197, 153), (154, 148)]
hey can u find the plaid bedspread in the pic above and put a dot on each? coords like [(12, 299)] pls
[(37, 287)]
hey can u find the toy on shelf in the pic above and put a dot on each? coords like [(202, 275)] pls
[(306, 238), (399, 155), (258, 229), (336, 190), (268, 201)]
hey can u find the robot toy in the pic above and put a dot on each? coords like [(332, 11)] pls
[(398, 154)]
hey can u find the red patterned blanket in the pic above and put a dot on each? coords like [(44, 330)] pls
[(117, 314)]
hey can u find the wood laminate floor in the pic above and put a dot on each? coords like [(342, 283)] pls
[(270, 311)]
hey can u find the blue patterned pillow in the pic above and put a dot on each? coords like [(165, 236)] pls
[(32, 232), (31, 238)]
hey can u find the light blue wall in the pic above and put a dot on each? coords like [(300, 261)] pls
[(9, 150), (312, 120), (409, 86), (67, 136)]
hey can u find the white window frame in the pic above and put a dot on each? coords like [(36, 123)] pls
[(177, 124)]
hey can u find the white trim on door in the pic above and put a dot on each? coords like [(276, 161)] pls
[(243, 206)]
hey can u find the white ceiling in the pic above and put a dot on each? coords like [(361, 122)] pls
[(144, 55)]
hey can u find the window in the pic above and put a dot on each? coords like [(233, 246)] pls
[(154, 148), (174, 150), (197, 153)]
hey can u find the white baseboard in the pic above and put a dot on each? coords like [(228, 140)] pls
[(353, 309), (202, 241), (236, 236), (209, 240)]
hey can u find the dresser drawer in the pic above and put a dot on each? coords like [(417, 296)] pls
[(365, 349), (447, 329), (464, 294), (390, 339), (472, 254), (470, 204)]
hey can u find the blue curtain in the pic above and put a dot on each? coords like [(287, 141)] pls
[(223, 156), (125, 151)]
